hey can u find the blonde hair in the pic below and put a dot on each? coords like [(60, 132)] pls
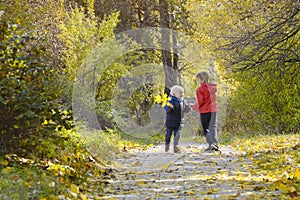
[(176, 89), (203, 76)]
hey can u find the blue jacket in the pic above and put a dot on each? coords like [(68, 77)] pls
[(175, 117)]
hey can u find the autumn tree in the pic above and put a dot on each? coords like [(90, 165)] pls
[(259, 43), (145, 13)]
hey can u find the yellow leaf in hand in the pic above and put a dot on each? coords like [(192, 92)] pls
[(164, 104), (169, 104), (157, 99), (165, 98)]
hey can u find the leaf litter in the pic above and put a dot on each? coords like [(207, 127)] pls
[(192, 174)]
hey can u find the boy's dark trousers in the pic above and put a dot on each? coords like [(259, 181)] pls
[(209, 127), (176, 134)]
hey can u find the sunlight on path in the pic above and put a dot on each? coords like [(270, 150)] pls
[(192, 174)]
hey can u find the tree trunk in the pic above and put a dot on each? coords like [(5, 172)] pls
[(169, 66)]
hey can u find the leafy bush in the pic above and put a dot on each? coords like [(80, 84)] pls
[(27, 86), (266, 101), (58, 167)]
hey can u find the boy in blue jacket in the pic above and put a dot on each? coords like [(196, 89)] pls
[(175, 109)]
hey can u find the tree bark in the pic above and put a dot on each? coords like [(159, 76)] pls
[(169, 61)]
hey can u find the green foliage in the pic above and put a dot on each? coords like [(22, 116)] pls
[(154, 139), (81, 33), (103, 145), (264, 102), (28, 90), (58, 167), (140, 103), (258, 42), (62, 165), (42, 16)]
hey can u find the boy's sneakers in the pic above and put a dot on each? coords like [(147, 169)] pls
[(176, 149), (213, 147), (208, 149), (167, 147)]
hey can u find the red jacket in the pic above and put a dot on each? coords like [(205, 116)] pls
[(206, 98)]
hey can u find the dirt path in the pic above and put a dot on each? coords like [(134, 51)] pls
[(192, 174)]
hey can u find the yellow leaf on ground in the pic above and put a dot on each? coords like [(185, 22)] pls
[(189, 192), (283, 187), (297, 173), (212, 191), (6, 170), (74, 188), (4, 163), (83, 197), (65, 112)]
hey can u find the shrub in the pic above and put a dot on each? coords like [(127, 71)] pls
[(27, 86)]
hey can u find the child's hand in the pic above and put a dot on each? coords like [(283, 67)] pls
[(171, 105), (194, 106)]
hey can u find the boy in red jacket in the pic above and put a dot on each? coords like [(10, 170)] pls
[(207, 106)]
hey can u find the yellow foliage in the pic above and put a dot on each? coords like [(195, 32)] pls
[(4, 162), (83, 197), (6, 170), (296, 174), (162, 99), (74, 188)]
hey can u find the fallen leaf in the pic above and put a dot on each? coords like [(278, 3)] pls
[(74, 188), (83, 197)]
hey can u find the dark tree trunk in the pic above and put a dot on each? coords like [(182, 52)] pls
[(169, 61)]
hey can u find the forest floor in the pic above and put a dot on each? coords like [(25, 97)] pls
[(191, 174)]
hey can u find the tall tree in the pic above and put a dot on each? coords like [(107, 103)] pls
[(259, 42), (169, 66), (167, 14)]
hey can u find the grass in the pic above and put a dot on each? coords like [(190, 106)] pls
[(64, 164), (60, 166), (28, 182)]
